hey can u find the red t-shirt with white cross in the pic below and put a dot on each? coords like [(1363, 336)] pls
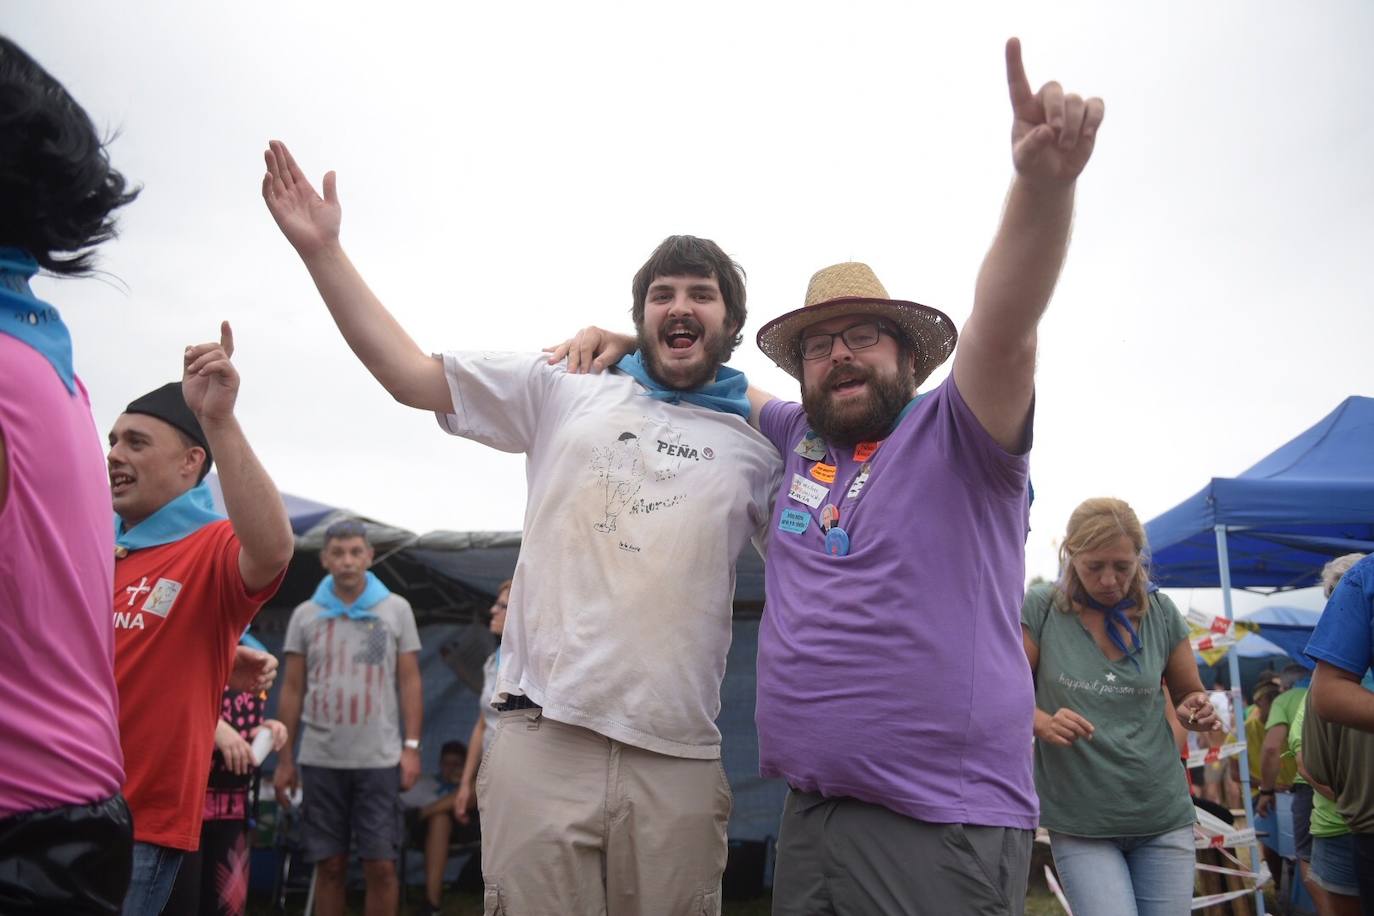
[(179, 610)]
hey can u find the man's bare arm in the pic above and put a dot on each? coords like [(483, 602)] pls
[(311, 224), (1340, 698), (210, 386), (1053, 134)]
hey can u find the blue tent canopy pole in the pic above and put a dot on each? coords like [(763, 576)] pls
[(1238, 709)]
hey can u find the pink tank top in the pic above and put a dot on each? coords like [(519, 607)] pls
[(58, 706)]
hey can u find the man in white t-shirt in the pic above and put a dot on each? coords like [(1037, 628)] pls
[(601, 788)]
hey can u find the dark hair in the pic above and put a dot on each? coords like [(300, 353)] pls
[(1291, 674), (453, 747), (689, 256), (346, 528), (55, 177), (189, 443)]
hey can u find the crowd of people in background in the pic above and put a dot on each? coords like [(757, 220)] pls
[(926, 711)]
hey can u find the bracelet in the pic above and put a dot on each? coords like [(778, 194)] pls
[(1266, 791)]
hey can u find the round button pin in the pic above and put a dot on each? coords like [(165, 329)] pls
[(836, 542)]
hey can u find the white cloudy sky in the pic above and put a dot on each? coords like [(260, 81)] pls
[(504, 168)]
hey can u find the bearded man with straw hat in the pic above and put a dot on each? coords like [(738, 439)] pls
[(893, 693)]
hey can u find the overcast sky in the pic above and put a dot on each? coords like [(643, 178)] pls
[(505, 168)]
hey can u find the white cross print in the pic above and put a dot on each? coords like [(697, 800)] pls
[(136, 590)]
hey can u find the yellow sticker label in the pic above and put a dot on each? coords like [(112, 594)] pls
[(825, 473)]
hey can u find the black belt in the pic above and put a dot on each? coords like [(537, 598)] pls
[(512, 702)]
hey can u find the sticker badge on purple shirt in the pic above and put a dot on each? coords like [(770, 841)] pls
[(807, 491), (794, 521), (811, 447)]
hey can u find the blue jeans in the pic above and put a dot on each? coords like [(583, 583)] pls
[(155, 869), (1127, 876)]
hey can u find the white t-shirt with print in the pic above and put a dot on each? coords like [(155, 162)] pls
[(620, 612)]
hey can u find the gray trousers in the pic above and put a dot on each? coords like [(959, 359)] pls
[(843, 857)]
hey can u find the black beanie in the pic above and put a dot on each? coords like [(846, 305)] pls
[(168, 405)]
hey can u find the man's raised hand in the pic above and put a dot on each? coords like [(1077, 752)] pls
[(1052, 132), (309, 222), (209, 381)]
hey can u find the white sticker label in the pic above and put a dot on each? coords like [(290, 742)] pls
[(857, 487), (163, 596), (807, 491)]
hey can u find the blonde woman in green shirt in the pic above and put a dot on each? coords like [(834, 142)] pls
[(1103, 645)]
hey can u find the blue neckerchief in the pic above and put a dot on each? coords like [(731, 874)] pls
[(1116, 614), (251, 641), (728, 393), (188, 513), (373, 592), (29, 319)]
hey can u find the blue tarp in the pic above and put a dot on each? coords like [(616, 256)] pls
[(1286, 628), (304, 513), (1308, 501)]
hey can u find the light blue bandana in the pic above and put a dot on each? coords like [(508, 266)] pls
[(333, 605), (727, 394), (187, 514), (25, 317)]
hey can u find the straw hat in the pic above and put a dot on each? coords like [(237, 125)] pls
[(853, 289)]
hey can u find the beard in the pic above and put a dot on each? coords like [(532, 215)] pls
[(864, 419), (716, 347)]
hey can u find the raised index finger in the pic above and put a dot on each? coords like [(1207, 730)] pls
[(1017, 84), (226, 338)]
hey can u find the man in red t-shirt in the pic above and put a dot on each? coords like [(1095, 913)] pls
[(187, 582)]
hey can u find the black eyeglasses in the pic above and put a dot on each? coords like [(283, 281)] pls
[(856, 337)]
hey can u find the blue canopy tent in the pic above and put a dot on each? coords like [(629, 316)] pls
[(1276, 524), (1283, 630), (1283, 633)]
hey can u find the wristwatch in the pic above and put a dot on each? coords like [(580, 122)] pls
[(411, 744)]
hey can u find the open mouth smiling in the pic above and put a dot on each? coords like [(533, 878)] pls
[(681, 336), (846, 381)]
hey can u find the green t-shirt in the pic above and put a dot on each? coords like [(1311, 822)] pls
[(1326, 820), (1282, 712), (1127, 780), (1339, 757)]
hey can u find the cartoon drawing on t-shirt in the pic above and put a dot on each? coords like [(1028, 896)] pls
[(620, 468)]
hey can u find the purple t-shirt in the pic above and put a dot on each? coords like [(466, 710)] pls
[(895, 674)]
